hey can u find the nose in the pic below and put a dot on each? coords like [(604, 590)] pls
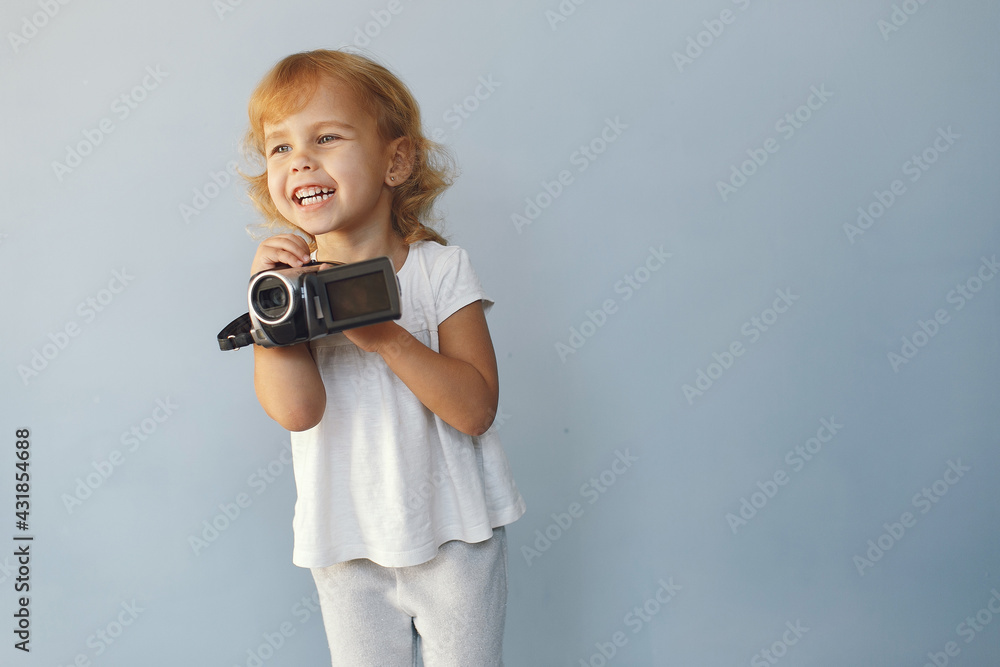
[(303, 161)]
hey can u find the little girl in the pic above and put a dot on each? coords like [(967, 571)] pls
[(403, 489)]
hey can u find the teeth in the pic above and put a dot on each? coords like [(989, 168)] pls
[(313, 194)]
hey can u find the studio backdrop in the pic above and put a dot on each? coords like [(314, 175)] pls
[(744, 255)]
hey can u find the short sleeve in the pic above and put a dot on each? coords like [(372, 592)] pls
[(456, 284)]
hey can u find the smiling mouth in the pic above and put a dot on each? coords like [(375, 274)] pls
[(312, 195)]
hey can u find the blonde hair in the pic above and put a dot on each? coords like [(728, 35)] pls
[(288, 87)]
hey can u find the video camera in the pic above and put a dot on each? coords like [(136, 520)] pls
[(295, 305)]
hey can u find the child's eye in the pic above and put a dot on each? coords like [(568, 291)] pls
[(327, 138), (282, 148)]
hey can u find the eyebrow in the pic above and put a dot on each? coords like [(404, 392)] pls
[(312, 128)]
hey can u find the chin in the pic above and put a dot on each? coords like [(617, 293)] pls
[(314, 227), (319, 230)]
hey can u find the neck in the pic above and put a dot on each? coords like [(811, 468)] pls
[(349, 247)]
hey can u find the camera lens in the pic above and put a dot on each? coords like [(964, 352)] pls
[(271, 298)]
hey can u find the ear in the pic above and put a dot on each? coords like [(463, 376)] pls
[(401, 158)]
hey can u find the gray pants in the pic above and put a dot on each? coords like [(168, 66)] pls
[(451, 609)]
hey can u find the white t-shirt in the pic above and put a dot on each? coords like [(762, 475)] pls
[(381, 476)]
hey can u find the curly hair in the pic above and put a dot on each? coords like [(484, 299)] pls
[(288, 87)]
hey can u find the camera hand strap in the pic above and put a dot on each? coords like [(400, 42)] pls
[(236, 334)]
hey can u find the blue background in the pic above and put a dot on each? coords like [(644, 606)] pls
[(151, 200)]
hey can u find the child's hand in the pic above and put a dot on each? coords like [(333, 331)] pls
[(378, 337), (290, 249)]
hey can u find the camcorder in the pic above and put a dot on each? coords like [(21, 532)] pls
[(294, 305)]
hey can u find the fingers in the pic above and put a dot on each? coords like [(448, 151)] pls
[(286, 247), (289, 249)]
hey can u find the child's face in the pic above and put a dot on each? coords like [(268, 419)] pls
[(327, 167)]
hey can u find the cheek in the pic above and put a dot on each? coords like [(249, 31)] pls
[(275, 187), (363, 166)]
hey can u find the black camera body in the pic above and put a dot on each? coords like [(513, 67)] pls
[(295, 305)]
